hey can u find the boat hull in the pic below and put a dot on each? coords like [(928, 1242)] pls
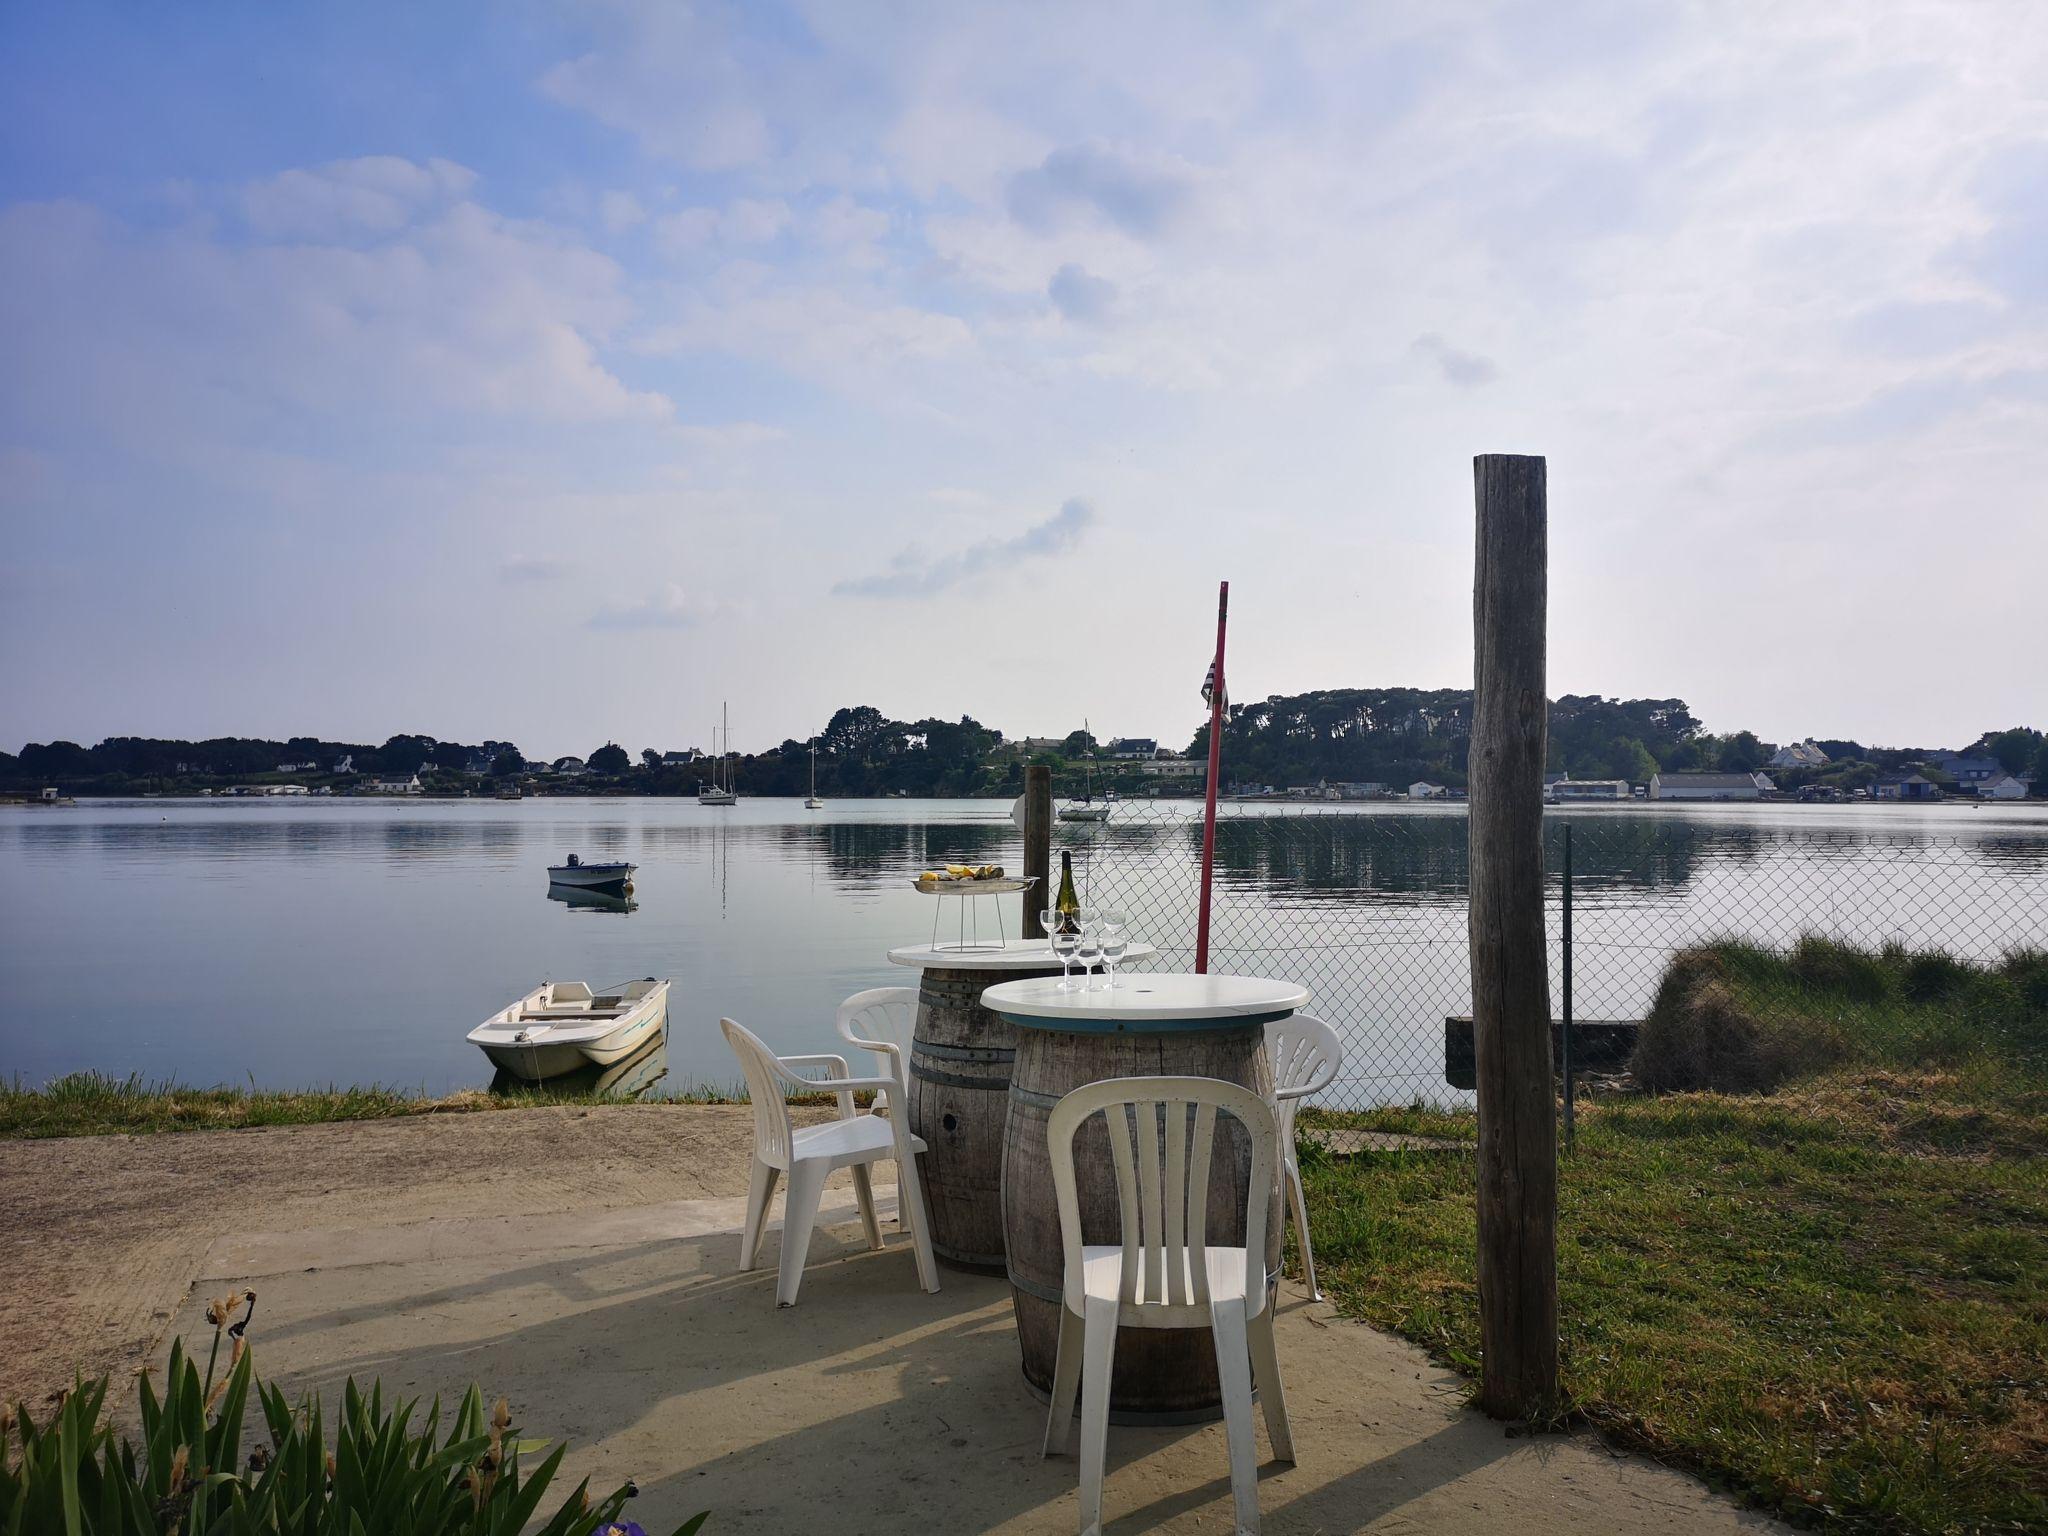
[(592, 877)]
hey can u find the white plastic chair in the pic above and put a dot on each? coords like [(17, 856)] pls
[(881, 1020), (1306, 1054), (1164, 1274), (809, 1156)]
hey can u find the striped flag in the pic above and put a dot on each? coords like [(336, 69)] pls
[(1209, 688)]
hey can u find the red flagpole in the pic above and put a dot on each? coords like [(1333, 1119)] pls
[(1215, 769)]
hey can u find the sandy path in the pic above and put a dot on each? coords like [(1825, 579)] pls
[(100, 1236)]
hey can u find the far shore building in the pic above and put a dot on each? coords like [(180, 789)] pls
[(1174, 768), (1133, 747), (1799, 754), (1708, 786), (2005, 787), (1967, 769), (390, 784), (1422, 789), (570, 767), (1905, 786), (347, 764), (1590, 791)]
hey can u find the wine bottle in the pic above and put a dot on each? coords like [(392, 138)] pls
[(1067, 904)]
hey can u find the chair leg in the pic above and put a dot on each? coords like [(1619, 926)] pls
[(799, 1215), (1234, 1369), (1066, 1378), (760, 1195), (914, 1214), (1308, 1248), (1272, 1396), (1098, 1360), (864, 1197)]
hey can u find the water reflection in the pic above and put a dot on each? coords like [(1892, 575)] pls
[(591, 901), (628, 1079)]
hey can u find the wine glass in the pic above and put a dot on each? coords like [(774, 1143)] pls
[(1089, 949), (1116, 938), (1064, 942), (1049, 920)]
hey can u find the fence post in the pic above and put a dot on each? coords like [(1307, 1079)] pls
[(1510, 970), (1037, 845), (1565, 1035)]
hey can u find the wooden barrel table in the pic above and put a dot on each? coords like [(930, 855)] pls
[(1151, 1026), (959, 1068)]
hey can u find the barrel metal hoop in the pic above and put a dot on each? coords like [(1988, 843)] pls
[(1032, 1096), (989, 1084), (991, 1053)]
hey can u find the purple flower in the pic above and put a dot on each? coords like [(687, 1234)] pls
[(621, 1528)]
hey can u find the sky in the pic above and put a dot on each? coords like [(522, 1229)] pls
[(555, 372)]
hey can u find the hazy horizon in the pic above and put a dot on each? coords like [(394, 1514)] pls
[(557, 371)]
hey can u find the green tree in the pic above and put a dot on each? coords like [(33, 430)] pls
[(649, 758), (610, 759), (2014, 749), (1078, 744), (507, 764), (1740, 753), (2041, 770)]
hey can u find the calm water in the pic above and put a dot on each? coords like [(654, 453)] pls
[(289, 944)]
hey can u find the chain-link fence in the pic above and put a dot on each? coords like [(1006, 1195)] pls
[(1708, 950)]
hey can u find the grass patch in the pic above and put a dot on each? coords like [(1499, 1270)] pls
[(95, 1104), (1737, 1018), (1808, 1308)]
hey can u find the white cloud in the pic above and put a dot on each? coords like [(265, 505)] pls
[(668, 607), (373, 195), (912, 574), (518, 569)]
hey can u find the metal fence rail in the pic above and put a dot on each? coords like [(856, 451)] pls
[(1365, 904)]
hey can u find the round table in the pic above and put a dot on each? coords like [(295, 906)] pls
[(1149, 1026), (959, 1067)]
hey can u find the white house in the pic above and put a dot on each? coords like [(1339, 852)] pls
[(1800, 754), (1174, 768), (1422, 789), (388, 784), (2005, 787), (346, 765), (571, 767), (1134, 747), (1708, 786)]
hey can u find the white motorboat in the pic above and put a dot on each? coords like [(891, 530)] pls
[(616, 876), (563, 1026)]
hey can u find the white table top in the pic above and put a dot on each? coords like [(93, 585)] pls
[(1015, 955), (1140, 1000)]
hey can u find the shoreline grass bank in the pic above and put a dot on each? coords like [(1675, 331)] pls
[(97, 1104)]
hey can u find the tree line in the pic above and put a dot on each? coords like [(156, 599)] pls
[(1389, 736)]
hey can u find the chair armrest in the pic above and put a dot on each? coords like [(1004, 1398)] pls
[(822, 1059), (1315, 1084)]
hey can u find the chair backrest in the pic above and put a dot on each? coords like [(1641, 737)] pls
[(885, 1016), (1306, 1054), (1162, 1182), (773, 1138)]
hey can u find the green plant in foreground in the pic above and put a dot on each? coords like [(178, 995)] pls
[(189, 1473)]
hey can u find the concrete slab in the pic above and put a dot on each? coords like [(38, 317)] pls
[(871, 1406)]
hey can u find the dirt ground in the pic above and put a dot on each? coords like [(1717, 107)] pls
[(101, 1236), (583, 1262)]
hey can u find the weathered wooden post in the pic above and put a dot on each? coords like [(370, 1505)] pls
[(1037, 845), (1510, 981)]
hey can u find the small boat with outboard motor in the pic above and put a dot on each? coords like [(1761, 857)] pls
[(615, 877)]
